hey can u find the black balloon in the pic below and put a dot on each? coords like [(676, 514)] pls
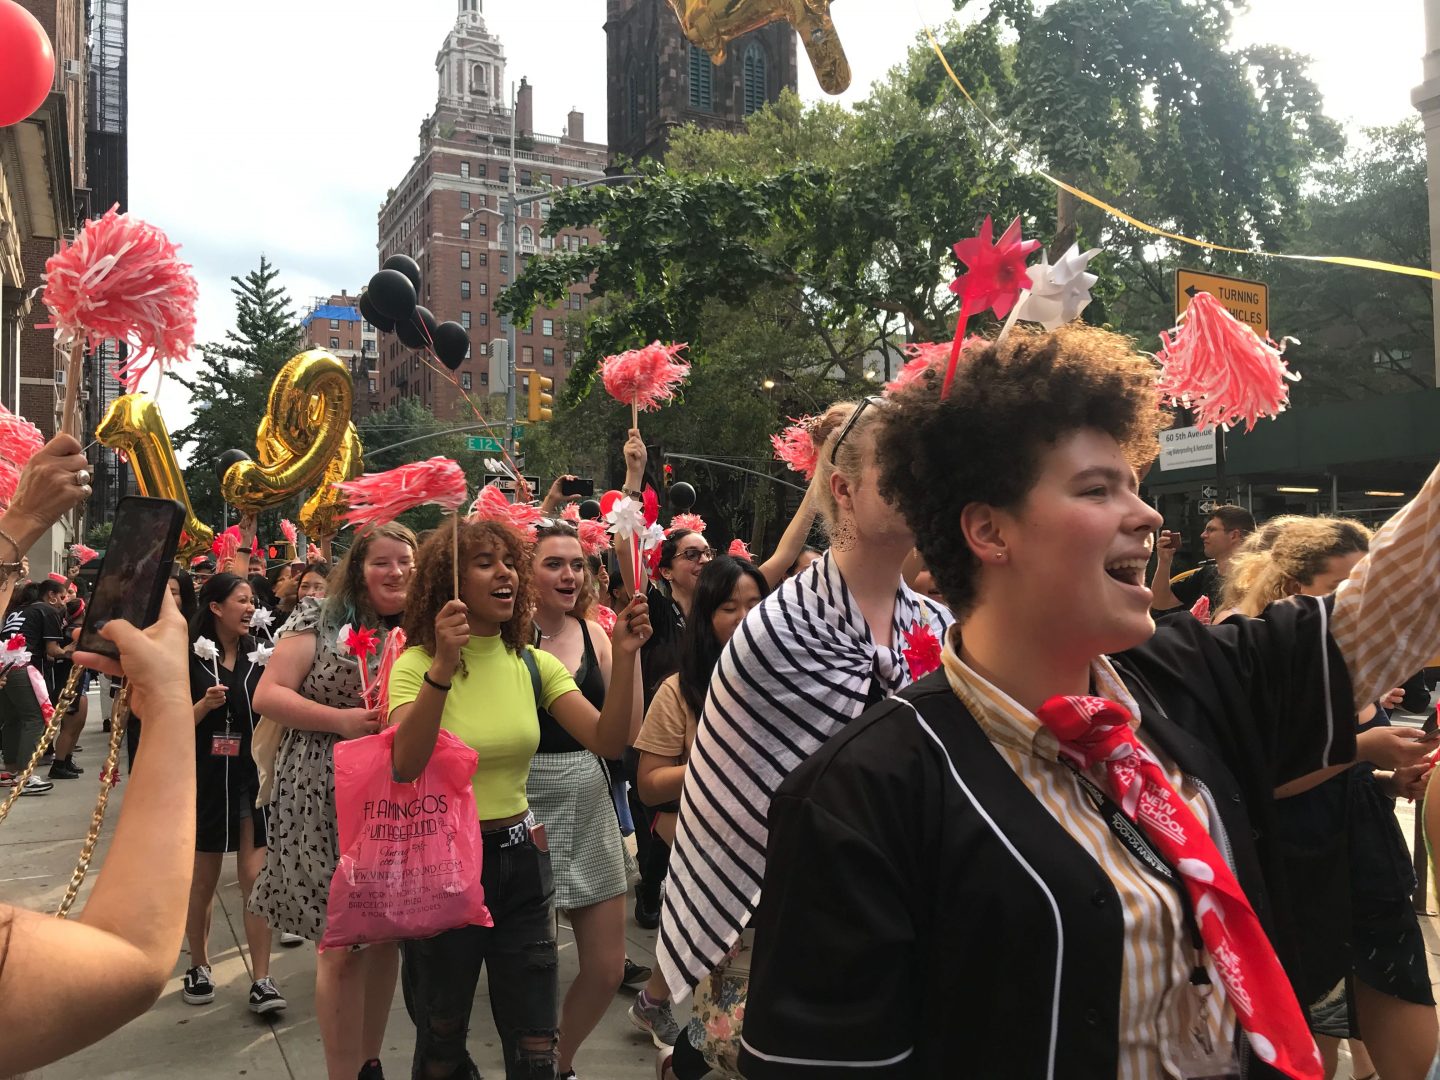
[(407, 266), (393, 295), (681, 497), (228, 458), (372, 315), (590, 510), (411, 333), (451, 344)]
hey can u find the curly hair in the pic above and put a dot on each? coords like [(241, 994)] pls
[(1010, 403), (434, 581), (348, 600), (1285, 556)]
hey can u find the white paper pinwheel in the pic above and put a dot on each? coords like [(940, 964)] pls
[(205, 649), (260, 656), (1058, 293), (651, 538), (263, 619), (626, 518)]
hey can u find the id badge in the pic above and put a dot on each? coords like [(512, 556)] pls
[(537, 837), (226, 745)]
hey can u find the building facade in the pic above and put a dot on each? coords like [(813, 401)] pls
[(334, 324), (446, 214), (658, 81)]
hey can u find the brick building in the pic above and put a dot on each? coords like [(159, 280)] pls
[(43, 198), (445, 214), (658, 81), (334, 324)]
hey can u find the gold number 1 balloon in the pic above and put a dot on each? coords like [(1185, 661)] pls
[(135, 427), (713, 24)]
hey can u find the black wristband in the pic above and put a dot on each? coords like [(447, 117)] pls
[(442, 687)]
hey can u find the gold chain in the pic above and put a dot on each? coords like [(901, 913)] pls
[(62, 707), (108, 779)]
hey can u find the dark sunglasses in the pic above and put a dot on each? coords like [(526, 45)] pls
[(865, 403)]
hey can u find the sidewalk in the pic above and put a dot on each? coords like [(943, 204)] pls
[(39, 844)]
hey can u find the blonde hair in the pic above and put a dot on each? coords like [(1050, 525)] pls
[(1286, 554), (852, 455)]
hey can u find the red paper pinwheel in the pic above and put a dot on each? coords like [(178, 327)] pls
[(690, 522), (650, 505), (921, 651), (492, 505), (739, 550), (995, 275), (379, 498), (1201, 609), (795, 446), (358, 642), (644, 378), (123, 280), (1220, 369)]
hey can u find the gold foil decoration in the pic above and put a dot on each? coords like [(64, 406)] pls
[(714, 24)]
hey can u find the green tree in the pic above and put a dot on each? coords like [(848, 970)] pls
[(231, 383)]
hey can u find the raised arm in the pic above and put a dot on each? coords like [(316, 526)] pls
[(1161, 598), (635, 458), (48, 489), (796, 533), (608, 731)]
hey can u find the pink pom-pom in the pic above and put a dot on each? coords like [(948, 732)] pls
[(82, 554), (379, 498), (925, 355), (570, 513), (739, 550), (795, 446), (225, 546), (287, 530), (692, 522), (1201, 609), (594, 537), (1221, 369), (123, 280), (646, 378), (19, 441), (492, 505)]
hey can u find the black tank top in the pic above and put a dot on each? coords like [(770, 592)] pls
[(554, 739)]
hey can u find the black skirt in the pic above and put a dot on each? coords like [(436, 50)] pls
[(219, 812)]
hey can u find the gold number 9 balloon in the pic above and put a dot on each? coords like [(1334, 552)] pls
[(713, 24), (134, 426), (305, 436)]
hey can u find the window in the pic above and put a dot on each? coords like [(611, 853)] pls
[(548, 356), (545, 180), (464, 260), (464, 230), (334, 342), (527, 237), (484, 288), (484, 375), (545, 208), (367, 328), (465, 319), (569, 357), (584, 241), (526, 177), (547, 327), (484, 351), (632, 95), (574, 302), (464, 170), (484, 258), (504, 174), (465, 380), (464, 290), (530, 326), (505, 264), (702, 79), (482, 170), (527, 354), (547, 243), (484, 318), (334, 324), (484, 228), (464, 200), (754, 78)]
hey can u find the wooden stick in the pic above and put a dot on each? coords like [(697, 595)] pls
[(73, 373), (455, 554), (634, 414)]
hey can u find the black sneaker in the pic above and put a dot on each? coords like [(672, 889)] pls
[(264, 998), (371, 1070), (636, 975), (63, 770), (647, 912), (197, 989)]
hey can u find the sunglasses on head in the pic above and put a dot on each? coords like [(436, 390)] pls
[(850, 423)]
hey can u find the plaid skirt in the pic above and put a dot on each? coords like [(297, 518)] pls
[(569, 794)]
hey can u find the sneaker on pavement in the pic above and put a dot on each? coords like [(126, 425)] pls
[(657, 1021), (372, 1070), (36, 786), (63, 770), (636, 975), (7, 779), (197, 989), (662, 1062), (264, 998), (290, 941)]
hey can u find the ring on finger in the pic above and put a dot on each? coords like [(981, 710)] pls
[(83, 477)]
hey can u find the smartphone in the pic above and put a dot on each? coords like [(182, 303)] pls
[(135, 570), (583, 488)]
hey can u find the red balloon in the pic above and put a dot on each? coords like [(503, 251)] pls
[(608, 501), (27, 63)]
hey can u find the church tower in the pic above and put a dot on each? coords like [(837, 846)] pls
[(658, 81), (471, 65)]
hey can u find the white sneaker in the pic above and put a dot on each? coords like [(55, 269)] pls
[(36, 786), (290, 941)]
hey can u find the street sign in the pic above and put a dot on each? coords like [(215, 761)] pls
[(1208, 492), (508, 486), (1186, 447), (1208, 507), (482, 444), (1248, 301)]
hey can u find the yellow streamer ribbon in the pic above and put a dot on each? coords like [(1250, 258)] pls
[(1153, 230)]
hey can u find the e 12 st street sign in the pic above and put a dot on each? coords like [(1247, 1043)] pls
[(1248, 301)]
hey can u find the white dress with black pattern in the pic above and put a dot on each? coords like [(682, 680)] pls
[(292, 889)]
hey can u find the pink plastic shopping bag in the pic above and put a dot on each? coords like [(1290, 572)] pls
[(409, 853)]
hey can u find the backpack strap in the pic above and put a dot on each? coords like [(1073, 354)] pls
[(528, 655)]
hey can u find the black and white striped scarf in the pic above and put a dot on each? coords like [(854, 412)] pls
[(800, 667)]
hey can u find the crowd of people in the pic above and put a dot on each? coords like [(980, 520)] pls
[(956, 792)]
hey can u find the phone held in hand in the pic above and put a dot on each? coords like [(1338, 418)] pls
[(585, 489), (135, 570)]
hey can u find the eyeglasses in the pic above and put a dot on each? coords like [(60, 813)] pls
[(854, 417), (704, 554)]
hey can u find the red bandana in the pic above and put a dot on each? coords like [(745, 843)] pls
[(1093, 731)]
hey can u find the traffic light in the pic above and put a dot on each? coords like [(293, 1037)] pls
[(669, 475), (538, 390)]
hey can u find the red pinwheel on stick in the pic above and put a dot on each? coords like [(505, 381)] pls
[(121, 280), (360, 642), (995, 275), (644, 379)]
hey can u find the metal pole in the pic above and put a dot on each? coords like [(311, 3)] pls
[(510, 224), (1426, 98), (1334, 494)]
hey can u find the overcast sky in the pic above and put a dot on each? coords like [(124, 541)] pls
[(276, 126)]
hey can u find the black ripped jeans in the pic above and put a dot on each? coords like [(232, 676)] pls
[(441, 973)]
